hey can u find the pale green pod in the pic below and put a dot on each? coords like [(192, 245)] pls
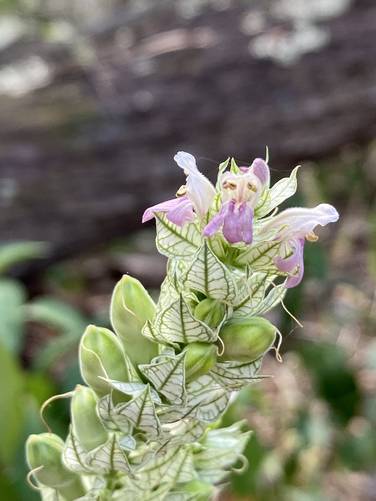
[(199, 359), (101, 356), (131, 307), (87, 427), (44, 451), (247, 340), (210, 311)]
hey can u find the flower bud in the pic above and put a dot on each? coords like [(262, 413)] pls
[(131, 307), (101, 356), (199, 359), (87, 427), (44, 451), (247, 340), (200, 491), (210, 311)]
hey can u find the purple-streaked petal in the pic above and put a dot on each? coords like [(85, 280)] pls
[(246, 217), (287, 264), (200, 190), (238, 224), (182, 213), (261, 169), (166, 206), (293, 264), (294, 280), (215, 224), (232, 227)]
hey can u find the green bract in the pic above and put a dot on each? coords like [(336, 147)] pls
[(147, 426)]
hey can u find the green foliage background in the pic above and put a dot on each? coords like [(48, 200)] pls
[(313, 419)]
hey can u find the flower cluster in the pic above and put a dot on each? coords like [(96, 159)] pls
[(245, 195), (147, 424)]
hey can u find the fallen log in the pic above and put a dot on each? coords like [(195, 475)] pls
[(88, 148)]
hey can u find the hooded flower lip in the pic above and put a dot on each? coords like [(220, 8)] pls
[(299, 222), (293, 227), (240, 195), (195, 198), (200, 190)]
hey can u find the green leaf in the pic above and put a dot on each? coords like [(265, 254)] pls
[(176, 324), (54, 350), (57, 315), (167, 377), (18, 252), (209, 276), (175, 242), (12, 297), (12, 414)]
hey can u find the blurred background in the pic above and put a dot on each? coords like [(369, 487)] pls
[(95, 98)]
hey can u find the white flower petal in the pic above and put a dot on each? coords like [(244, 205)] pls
[(200, 190), (297, 222), (187, 162)]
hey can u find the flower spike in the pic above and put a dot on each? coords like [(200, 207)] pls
[(157, 385)]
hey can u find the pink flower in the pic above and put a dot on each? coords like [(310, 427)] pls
[(193, 199), (178, 210), (240, 195), (293, 227)]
